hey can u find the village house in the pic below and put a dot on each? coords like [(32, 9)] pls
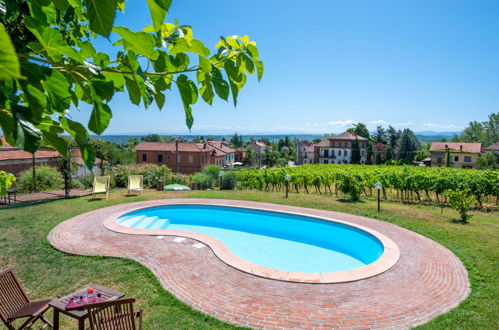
[(258, 151), (462, 155), (14, 160), (230, 154), (338, 149), (301, 152), (492, 148), (192, 157)]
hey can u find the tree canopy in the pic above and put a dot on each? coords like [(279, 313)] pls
[(487, 132), (49, 65)]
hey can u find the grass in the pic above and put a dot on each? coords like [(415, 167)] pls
[(48, 273)]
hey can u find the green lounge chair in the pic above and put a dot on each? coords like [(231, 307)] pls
[(101, 186), (135, 183)]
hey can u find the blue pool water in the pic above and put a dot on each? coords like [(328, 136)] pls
[(270, 239)]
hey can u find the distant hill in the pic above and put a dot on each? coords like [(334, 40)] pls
[(423, 136)]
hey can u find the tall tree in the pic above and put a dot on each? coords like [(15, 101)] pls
[(152, 138), (408, 146), (355, 152), (361, 130), (486, 132), (237, 141), (380, 135), (49, 64)]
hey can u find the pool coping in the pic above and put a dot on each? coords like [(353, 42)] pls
[(386, 261)]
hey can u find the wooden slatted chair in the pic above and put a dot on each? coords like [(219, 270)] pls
[(15, 304), (114, 315)]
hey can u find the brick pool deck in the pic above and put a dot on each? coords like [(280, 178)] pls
[(428, 280)]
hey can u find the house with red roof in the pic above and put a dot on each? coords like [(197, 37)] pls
[(14, 160), (458, 154), (338, 149), (492, 148), (184, 157)]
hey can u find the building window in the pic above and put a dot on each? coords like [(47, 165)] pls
[(346, 153), (326, 153), (456, 158), (144, 157), (467, 159), (202, 159), (190, 159), (168, 157), (440, 160), (339, 152), (324, 161), (160, 158)]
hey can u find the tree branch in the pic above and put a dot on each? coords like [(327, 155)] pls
[(59, 66)]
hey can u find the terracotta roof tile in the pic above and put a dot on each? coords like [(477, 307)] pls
[(493, 147), (323, 143), (222, 145), (6, 154), (457, 146), (168, 146), (348, 136)]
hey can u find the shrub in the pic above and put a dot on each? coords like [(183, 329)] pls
[(203, 180), (152, 173), (212, 171), (350, 185), (6, 180), (229, 180), (461, 200), (83, 182), (119, 175), (47, 178), (180, 179)]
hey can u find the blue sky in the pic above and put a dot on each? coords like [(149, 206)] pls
[(426, 64)]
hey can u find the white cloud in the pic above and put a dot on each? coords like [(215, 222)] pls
[(341, 123), (403, 124), (378, 122), (440, 126)]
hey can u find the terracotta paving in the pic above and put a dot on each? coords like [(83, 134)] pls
[(43, 196), (428, 280)]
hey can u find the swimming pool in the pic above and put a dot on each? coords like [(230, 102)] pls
[(273, 240)]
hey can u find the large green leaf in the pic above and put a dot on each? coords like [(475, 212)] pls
[(160, 99), (28, 137), (58, 88), (189, 95), (206, 92), (36, 99), (9, 64), (104, 89), (221, 86), (140, 42), (100, 117), (158, 10), (43, 11), (51, 42), (80, 135), (133, 90), (101, 14), (259, 69), (194, 46)]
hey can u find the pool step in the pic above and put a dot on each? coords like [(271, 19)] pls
[(145, 222)]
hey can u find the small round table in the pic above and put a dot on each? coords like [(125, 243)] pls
[(11, 192)]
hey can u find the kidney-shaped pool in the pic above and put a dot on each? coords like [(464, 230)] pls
[(281, 241)]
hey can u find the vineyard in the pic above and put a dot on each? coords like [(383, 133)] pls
[(405, 183)]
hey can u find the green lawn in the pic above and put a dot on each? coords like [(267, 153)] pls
[(47, 272)]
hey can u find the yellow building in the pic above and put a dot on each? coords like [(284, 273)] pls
[(462, 155)]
